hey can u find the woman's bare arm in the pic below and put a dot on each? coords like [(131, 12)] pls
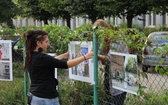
[(63, 56), (80, 59)]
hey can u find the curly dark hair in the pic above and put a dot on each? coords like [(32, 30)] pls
[(32, 36)]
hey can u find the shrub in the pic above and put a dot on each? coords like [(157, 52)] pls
[(148, 99), (8, 33), (59, 36), (12, 92)]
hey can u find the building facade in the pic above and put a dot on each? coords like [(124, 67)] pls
[(151, 20)]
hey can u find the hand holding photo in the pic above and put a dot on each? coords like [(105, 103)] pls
[(83, 71)]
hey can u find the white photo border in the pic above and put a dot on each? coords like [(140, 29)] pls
[(124, 86), (88, 45), (6, 61)]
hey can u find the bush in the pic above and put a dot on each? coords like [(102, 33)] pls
[(12, 92), (60, 37), (8, 33), (148, 99), (18, 69)]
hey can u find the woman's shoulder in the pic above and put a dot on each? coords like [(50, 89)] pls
[(40, 54)]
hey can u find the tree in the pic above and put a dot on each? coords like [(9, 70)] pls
[(59, 9), (86, 9), (32, 8), (160, 6), (127, 8), (8, 10)]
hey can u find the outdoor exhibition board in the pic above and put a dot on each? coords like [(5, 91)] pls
[(83, 71), (124, 72), (6, 60)]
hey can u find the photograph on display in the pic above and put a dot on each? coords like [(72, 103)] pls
[(84, 70), (124, 71), (5, 60)]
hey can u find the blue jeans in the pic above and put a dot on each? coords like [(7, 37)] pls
[(44, 101)]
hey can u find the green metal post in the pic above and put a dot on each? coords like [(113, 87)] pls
[(25, 76), (25, 89), (95, 47)]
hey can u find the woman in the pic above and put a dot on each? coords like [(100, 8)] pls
[(118, 96), (41, 68)]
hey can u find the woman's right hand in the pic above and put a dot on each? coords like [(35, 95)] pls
[(89, 54), (76, 61)]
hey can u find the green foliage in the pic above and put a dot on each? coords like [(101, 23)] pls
[(131, 65), (133, 38), (161, 8), (79, 93), (162, 52), (123, 25), (32, 8), (18, 69), (8, 33), (84, 32), (59, 36), (59, 8), (8, 10), (148, 99), (144, 75), (87, 9), (65, 88), (22, 31), (85, 27), (128, 8), (12, 92), (147, 31), (162, 70)]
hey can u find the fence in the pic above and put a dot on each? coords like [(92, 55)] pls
[(73, 92)]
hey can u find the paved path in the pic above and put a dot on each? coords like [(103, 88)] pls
[(155, 81)]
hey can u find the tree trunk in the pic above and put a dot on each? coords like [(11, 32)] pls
[(129, 21), (10, 23), (164, 20), (68, 22), (45, 21), (93, 19)]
